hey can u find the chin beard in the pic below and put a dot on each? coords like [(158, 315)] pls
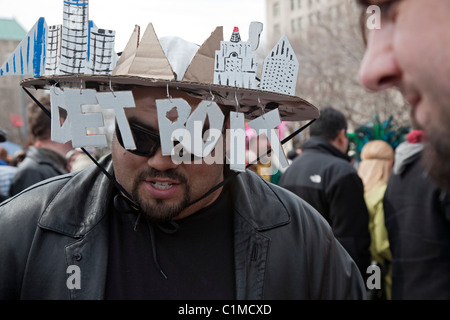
[(161, 211), (436, 159)]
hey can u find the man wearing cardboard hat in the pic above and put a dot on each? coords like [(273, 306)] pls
[(167, 216)]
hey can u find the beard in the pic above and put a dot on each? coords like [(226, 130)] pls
[(436, 155), (436, 158), (161, 211)]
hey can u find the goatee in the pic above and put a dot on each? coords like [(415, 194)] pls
[(160, 211)]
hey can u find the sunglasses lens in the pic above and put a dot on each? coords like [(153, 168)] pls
[(146, 143)]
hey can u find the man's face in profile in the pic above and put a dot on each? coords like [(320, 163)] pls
[(410, 52)]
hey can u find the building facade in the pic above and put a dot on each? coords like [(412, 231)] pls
[(293, 17), (13, 98)]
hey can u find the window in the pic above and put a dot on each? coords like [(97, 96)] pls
[(276, 9), (299, 23), (311, 19), (276, 30)]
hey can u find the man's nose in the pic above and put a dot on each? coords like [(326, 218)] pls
[(160, 162), (379, 68)]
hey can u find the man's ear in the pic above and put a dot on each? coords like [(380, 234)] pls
[(340, 142), (343, 136)]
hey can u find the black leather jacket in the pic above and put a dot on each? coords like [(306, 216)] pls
[(284, 249)]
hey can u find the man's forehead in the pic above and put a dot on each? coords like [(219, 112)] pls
[(148, 95), (146, 98)]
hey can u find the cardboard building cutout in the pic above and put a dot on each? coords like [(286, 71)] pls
[(76, 46)]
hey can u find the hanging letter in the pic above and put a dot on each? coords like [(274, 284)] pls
[(195, 125), (118, 101), (167, 127), (76, 123), (237, 142), (269, 121)]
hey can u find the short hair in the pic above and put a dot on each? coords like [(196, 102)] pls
[(39, 123), (329, 124)]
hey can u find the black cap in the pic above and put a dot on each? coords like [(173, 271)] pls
[(2, 135)]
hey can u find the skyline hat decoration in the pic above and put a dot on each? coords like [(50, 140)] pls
[(76, 46), (77, 54)]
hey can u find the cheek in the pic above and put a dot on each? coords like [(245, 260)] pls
[(204, 176), (125, 165)]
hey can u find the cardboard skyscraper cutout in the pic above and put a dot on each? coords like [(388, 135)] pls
[(76, 46), (235, 62), (280, 69)]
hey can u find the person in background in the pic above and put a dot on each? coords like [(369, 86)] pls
[(377, 158), (417, 218), (409, 53), (323, 176), (44, 158), (7, 171)]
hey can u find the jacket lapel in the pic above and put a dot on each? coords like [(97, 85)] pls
[(254, 212), (84, 219), (90, 255)]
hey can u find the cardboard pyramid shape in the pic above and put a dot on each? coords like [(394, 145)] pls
[(146, 59)]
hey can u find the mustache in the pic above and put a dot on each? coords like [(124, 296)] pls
[(154, 173)]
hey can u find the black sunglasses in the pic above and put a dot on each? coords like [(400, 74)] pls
[(147, 143)]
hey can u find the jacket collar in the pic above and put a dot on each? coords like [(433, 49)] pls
[(322, 145), (77, 214), (253, 195)]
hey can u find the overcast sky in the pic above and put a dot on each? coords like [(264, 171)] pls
[(193, 20)]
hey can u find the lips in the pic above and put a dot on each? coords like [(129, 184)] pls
[(162, 188)]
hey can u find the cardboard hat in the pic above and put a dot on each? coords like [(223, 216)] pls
[(221, 70)]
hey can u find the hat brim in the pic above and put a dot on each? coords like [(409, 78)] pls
[(250, 101)]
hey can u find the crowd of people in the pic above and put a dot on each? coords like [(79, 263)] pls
[(145, 227)]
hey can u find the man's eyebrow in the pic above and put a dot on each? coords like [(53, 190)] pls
[(136, 122), (364, 3)]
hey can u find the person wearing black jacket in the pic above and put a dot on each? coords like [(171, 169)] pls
[(44, 158), (141, 226), (323, 176), (417, 218)]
